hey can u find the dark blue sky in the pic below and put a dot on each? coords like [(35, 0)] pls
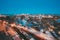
[(29, 6)]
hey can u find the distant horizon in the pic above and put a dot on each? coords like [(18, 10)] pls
[(29, 13)]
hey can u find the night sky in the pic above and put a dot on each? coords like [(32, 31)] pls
[(30, 6)]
